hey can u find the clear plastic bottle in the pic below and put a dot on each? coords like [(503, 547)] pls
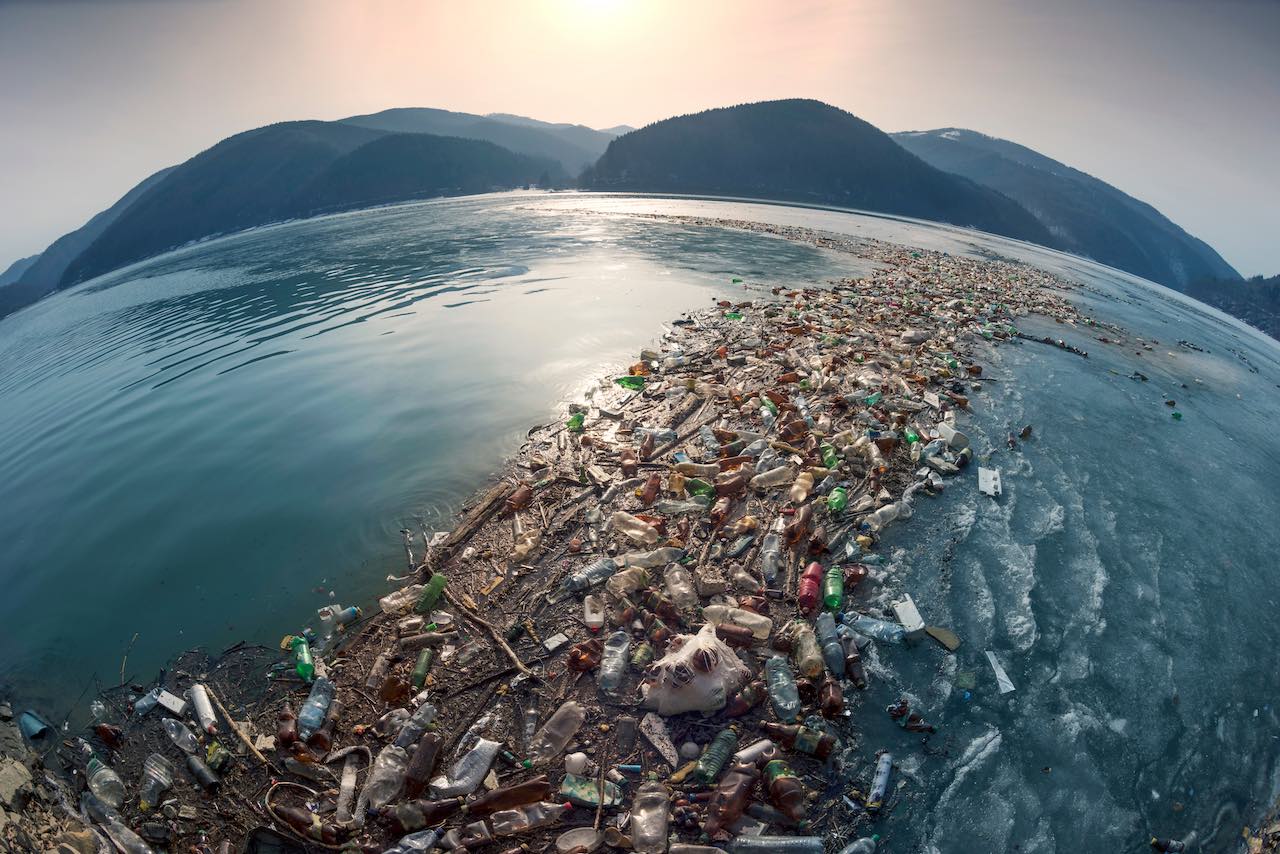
[(104, 783), (761, 626), (671, 507), (875, 629), (805, 651), (413, 843), (157, 777), (416, 725), (778, 844), (679, 584), (589, 576), (650, 819), (613, 663), (698, 469), (801, 488), (465, 775), (113, 825), (635, 529), (507, 822), (774, 477), (829, 641), (386, 778), (563, 725), (399, 601), (184, 738), (771, 558), (865, 845), (652, 558), (313, 710), (783, 694)]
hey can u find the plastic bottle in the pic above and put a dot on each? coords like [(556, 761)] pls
[(815, 742), (386, 778), (113, 825), (203, 708), (652, 558), (202, 773), (713, 759), (778, 844), (430, 594), (865, 845), (748, 697), (631, 382), (613, 662), (649, 818), (880, 783), (322, 739), (416, 725), (697, 504), (702, 470), (838, 500), (761, 626), (507, 822), (313, 710), (679, 584), (830, 698), (157, 777), (785, 790), (400, 600), (304, 664), (593, 612), (771, 558), (105, 783), (422, 667), (589, 576), (184, 738), (416, 843), (829, 643), (833, 588), (635, 529), (810, 587), (730, 799), (563, 725), (805, 651), (773, 478), (876, 629), (801, 487), (783, 695)]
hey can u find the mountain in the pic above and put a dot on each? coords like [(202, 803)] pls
[(297, 169), (1085, 215), (16, 269), (1256, 301), (801, 150), (617, 130), (45, 274), (575, 146)]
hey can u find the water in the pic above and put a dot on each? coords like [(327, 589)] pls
[(200, 448)]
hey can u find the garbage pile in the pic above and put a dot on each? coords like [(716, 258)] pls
[(648, 637)]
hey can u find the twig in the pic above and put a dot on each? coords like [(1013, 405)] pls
[(125, 660), (492, 632), (239, 732)]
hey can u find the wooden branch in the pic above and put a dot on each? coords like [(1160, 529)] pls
[(239, 732)]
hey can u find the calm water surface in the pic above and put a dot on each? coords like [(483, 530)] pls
[(200, 448)]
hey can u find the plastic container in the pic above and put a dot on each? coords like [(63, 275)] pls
[(203, 708), (783, 695), (613, 663), (805, 651), (680, 586), (507, 822), (311, 717), (550, 741), (157, 777), (650, 819), (465, 775), (761, 626), (184, 738)]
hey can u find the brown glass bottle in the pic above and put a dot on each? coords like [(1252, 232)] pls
[(322, 739), (415, 815), (422, 765), (307, 824), (286, 727), (802, 738), (730, 798), (649, 493), (830, 698), (528, 792), (747, 698), (785, 790)]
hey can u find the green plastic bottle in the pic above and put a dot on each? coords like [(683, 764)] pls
[(733, 315), (426, 658), (304, 664), (574, 424), (713, 759), (770, 405), (833, 588), (912, 436), (873, 398), (430, 594), (830, 458), (698, 486), (838, 500), (631, 382)]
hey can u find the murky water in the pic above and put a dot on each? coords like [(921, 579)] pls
[(199, 449)]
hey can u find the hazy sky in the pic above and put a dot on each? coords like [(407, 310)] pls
[(1174, 101)]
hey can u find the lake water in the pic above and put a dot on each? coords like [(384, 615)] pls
[(200, 448)]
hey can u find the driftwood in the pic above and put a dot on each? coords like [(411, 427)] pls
[(235, 727), (477, 516)]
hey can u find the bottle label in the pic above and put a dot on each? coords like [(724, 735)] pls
[(807, 739)]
